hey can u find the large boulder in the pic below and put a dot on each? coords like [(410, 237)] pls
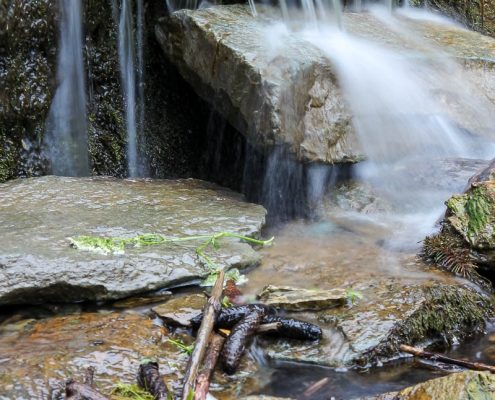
[(39, 215), (278, 89), (278, 92)]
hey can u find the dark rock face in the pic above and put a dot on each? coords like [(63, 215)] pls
[(174, 118), (28, 31)]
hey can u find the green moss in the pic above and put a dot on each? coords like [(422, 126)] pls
[(473, 214), (447, 313)]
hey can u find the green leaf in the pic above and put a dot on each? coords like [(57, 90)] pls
[(216, 243), (148, 360)]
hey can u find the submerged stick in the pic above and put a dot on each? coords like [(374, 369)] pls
[(204, 375), (440, 357), (150, 379), (203, 337)]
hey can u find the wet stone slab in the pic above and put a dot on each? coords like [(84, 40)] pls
[(39, 215)]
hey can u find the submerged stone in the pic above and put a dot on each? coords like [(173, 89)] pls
[(180, 311), (142, 300), (38, 359), (472, 385), (39, 215), (294, 299)]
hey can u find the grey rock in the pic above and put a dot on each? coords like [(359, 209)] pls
[(278, 89), (274, 93), (38, 215)]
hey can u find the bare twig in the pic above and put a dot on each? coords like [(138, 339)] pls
[(82, 391), (204, 375), (440, 357), (203, 337), (266, 328), (315, 387)]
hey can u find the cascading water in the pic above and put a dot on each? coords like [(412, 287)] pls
[(128, 76), (67, 138)]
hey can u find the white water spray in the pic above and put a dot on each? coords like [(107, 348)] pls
[(67, 136)]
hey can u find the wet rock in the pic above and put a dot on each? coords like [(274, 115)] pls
[(283, 91), (28, 30), (462, 385), (403, 300), (142, 300), (40, 214), (294, 299), (472, 214), (180, 311), (280, 92)]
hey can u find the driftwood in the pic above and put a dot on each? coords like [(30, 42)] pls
[(315, 387), (203, 337), (440, 357), (204, 375), (150, 378), (83, 391)]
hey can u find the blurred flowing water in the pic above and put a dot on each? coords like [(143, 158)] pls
[(128, 77), (66, 132)]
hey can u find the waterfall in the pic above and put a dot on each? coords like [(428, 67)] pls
[(128, 76), (66, 132)]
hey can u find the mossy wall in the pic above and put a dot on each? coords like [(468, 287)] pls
[(171, 133), (28, 40), (478, 15)]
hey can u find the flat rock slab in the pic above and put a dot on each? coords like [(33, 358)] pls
[(39, 215), (180, 311), (296, 299)]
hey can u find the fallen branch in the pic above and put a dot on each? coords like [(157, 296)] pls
[(440, 357), (150, 379), (203, 337), (204, 375), (82, 391)]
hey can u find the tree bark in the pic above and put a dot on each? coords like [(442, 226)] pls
[(211, 358), (203, 337), (440, 357)]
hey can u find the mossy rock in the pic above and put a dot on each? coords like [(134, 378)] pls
[(472, 214), (469, 385)]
